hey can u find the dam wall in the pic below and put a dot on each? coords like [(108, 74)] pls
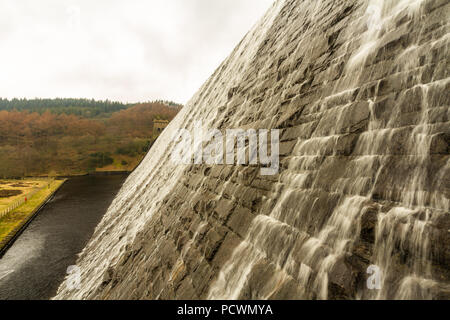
[(359, 91)]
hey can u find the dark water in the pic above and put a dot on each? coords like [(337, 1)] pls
[(36, 264)]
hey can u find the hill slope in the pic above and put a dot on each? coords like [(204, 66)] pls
[(34, 143)]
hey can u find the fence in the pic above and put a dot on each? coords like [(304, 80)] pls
[(18, 202)]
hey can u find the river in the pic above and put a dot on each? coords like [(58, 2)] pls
[(36, 264)]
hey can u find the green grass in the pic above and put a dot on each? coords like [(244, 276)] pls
[(12, 221)]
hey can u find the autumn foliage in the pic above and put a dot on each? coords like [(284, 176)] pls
[(33, 143)]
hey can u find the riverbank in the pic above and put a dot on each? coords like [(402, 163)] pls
[(36, 263), (12, 224)]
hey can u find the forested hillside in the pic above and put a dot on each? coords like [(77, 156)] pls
[(80, 107), (69, 137)]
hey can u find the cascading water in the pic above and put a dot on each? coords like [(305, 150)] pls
[(359, 90)]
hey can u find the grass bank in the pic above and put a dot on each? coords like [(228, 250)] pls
[(14, 190), (13, 222)]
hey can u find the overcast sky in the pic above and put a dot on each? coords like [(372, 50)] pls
[(130, 51)]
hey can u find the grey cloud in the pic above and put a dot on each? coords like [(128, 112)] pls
[(126, 50)]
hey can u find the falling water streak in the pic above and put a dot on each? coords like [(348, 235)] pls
[(408, 228), (379, 14), (255, 248), (336, 238)]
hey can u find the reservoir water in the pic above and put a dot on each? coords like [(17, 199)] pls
[(37, 262)]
